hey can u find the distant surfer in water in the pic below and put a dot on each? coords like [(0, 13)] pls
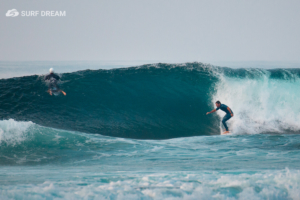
[(228, 115), (53, 86)]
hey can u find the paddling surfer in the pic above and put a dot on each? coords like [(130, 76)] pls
[(53, 78)]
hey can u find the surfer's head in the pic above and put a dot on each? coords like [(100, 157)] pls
[(218, 104), (51, 70)]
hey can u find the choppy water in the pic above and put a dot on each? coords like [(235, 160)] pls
[(142, 133)]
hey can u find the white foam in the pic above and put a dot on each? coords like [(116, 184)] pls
[(13, 132), (260, 104), (277, 184)]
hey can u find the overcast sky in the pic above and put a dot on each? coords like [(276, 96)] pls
[(154, 30)]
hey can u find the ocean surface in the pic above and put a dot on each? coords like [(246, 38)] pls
[(142, 133)]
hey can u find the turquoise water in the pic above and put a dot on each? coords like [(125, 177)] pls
[(142, 133)]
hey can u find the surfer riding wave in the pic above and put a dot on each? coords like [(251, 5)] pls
[(228, 115)]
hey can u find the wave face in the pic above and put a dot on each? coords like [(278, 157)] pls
[(148, 102), (158, 101)]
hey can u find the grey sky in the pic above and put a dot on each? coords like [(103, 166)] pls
[(164, 30)]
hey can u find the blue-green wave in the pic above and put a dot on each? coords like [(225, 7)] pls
[(156, 101)]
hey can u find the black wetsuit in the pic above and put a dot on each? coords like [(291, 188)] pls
[(52, 78), (228, 115)]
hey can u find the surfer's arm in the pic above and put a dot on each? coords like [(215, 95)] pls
[(214, 110), (230, 111)]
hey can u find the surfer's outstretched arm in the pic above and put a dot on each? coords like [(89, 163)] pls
[(214, 110)]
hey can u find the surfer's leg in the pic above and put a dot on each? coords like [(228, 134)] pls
[(59, 90), (49, 91), (225, 118), (63, 92)]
